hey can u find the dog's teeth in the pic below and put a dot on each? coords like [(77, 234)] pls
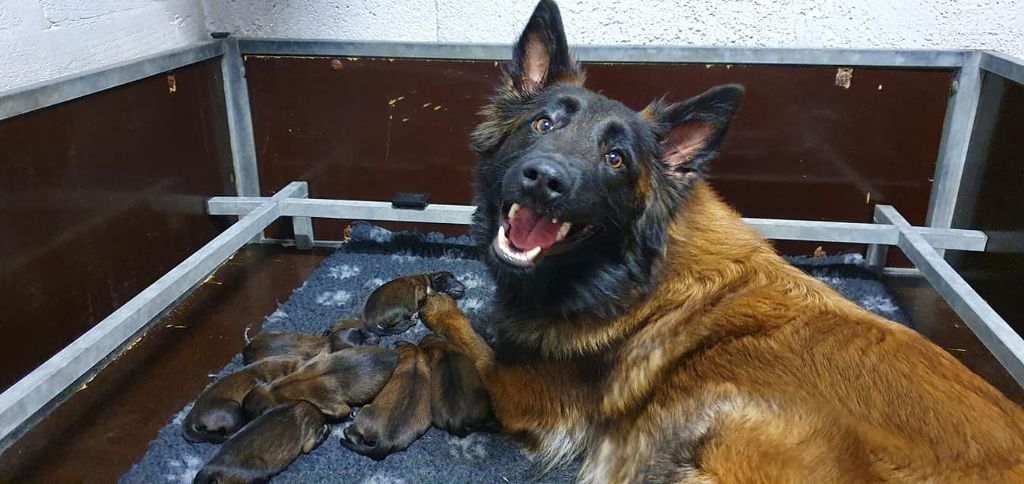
[(554, 221), (563, 231), (502, 240), (532, 254), (512, 211)]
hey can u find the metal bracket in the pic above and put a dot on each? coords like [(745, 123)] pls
[(991, 329)]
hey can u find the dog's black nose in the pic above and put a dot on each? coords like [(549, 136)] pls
[(545, 181)]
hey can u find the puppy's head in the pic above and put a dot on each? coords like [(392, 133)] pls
[(447, 283), (575, 191), (258, 401), (364, 440), (213, 420), (350, 332)]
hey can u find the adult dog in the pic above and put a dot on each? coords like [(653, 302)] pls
[(642, 325)]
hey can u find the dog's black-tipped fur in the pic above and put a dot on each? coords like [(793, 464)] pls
[(628, 211)]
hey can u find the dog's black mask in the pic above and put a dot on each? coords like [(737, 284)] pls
[(575, 191)]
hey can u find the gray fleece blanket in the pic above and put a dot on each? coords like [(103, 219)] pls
[(338, 288)]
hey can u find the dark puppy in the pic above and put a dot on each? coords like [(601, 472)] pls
[(218, 412), (401, 412), (459, 402), (348, 333), (266, 446), (332, 382), (391, 307), (343, 334)]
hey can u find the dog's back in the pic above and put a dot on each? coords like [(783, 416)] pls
[(780, 378)]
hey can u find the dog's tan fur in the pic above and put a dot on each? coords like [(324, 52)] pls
[(741, 368)]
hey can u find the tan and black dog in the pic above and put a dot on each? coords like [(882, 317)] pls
[(391, 308), (343, 334), (642, 325), (459, 402), (332, 382), (266, 446), (401, 412), (218, 413)]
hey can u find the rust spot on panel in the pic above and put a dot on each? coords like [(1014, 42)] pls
[(336, 64), (172, 84)]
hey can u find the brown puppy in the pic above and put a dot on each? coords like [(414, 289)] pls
[(331, 382), (390, 309), (266, 446), (401, 412), (459, 402), (642, 325), (218, 412), (348, 333), (343, 334)]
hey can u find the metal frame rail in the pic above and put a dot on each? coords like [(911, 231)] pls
[(33, 395)]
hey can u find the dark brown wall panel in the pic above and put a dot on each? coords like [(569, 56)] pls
[(999, 207), (99, 197), (802, 147)]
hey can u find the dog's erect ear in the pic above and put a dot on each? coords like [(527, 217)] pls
[(691, 131), (541, 56)]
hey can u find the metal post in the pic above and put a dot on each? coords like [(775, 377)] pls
[(1000, 339), (303, 226), (236, 100), (876, 257), (956, 139)]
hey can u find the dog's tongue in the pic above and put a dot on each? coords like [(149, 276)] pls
[(527, 230)]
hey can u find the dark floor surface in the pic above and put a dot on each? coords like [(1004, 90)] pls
[(101, 430)]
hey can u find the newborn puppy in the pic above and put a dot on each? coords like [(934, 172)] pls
[(331, 382), (459, 402), (348, 333), (391, 307), (401, 412), (266, 446), (447, 283), (344, 334), (218, 412), (274, 343)]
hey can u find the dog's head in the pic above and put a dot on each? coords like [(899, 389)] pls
[(575, 191)]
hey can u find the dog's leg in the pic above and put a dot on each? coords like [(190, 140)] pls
[(542, 403), (441, 314)]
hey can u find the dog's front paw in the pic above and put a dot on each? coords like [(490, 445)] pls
[(442, 315)]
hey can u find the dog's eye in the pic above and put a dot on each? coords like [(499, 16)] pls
[(543, 125), (614, 158)]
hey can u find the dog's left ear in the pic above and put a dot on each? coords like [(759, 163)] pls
[(541, 55), (691, 131)]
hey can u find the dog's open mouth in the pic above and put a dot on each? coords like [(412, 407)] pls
[(526, 236)]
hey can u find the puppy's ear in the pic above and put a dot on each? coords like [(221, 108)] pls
[(541, 56), (690, 132)]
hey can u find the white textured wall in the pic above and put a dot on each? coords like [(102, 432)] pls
[(44, 39), (989, 24)]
